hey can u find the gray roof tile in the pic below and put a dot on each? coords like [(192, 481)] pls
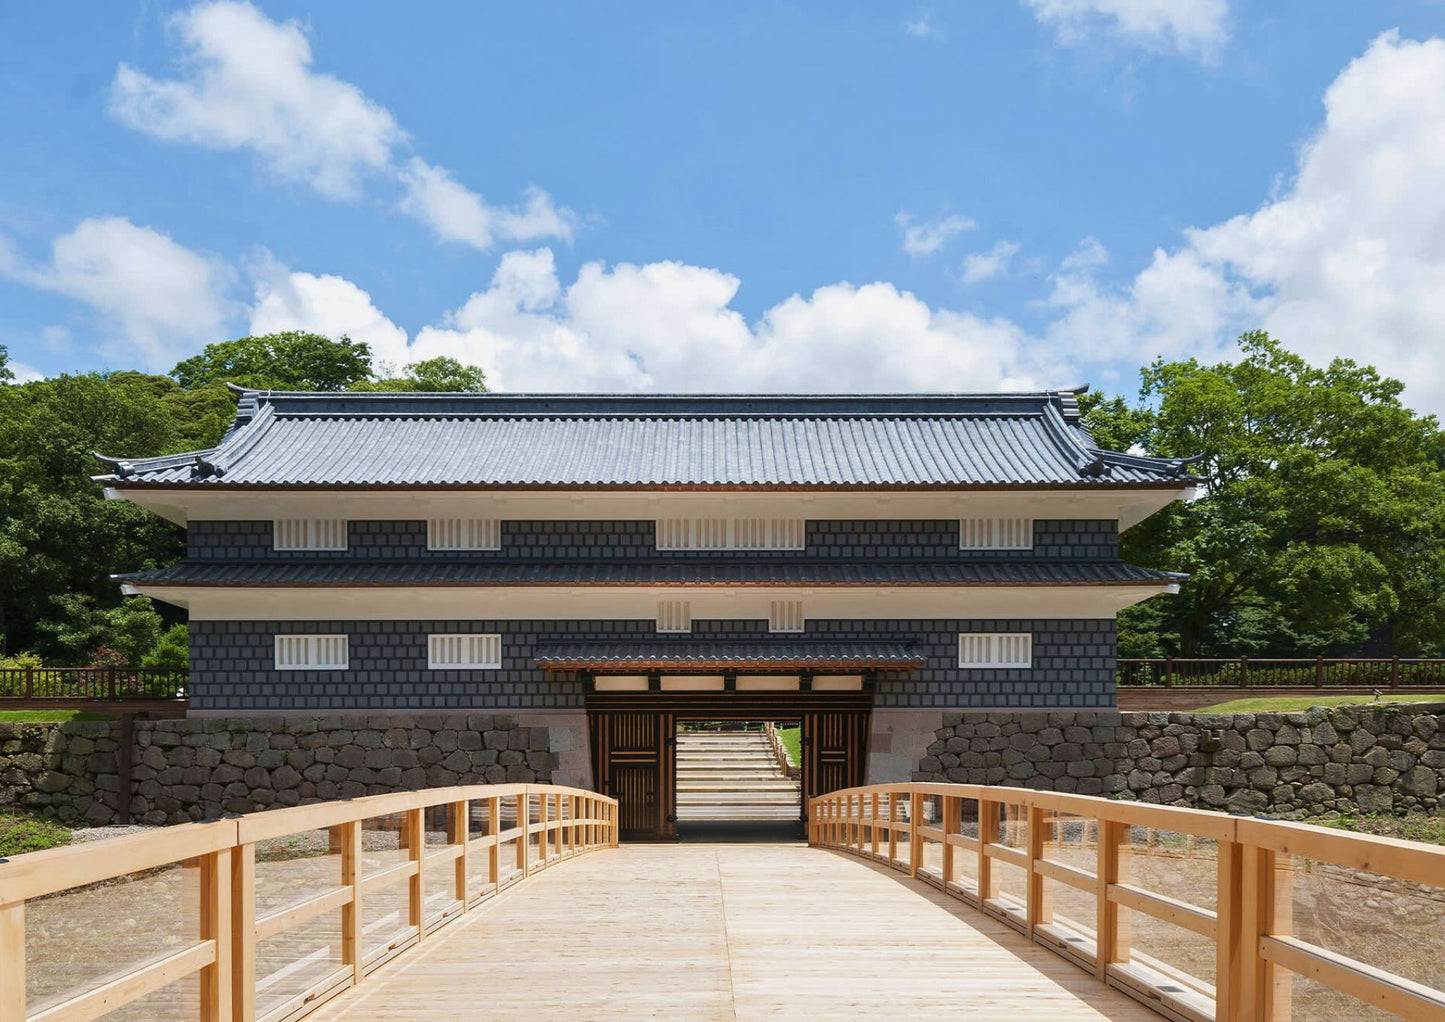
[(598, 441)]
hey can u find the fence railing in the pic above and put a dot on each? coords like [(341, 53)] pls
[(285, 908), (1305, 672), (1068, 858), (91, 683)]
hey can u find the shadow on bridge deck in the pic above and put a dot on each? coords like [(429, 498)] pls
[(728, 931)]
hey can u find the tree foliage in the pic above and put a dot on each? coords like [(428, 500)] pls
[(60, 540), (1319, 529), (292, 360)]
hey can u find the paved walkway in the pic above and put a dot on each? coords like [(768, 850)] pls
[(728, 931)]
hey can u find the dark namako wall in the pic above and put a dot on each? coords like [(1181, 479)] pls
[(233, 666), (931, 540)]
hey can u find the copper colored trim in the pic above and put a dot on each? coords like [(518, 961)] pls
[(654, 584), (731, 663), (1163, 484)]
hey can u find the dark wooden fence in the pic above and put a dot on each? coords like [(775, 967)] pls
[(91, 683), (1305, 672)]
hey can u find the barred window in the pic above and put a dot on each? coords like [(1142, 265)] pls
[(995, 650), (995, 533), (464, 652), (308, 534), (311, 652)]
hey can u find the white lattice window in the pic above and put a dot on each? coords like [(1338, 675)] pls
[(995, 651), (674, 616), (730, 534), (311, 653), (464, 652), (463, 534), (996, 533), (308, 533), (785, 616)]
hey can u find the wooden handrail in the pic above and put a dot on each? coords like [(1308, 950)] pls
[(568, 822), (1255, 951)]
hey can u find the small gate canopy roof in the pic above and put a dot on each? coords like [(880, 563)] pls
[(580, 441), (727, 656)]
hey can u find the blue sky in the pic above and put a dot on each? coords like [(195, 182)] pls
[(750, 196)]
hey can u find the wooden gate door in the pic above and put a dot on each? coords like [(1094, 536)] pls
[(835, 751), (634, 759)]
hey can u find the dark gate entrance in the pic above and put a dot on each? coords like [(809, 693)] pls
[(634, 745)]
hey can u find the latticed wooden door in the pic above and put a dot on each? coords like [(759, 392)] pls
[(633, 759), (835, 750)]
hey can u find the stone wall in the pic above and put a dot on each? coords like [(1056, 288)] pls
[(200, 769), (1345, 759)]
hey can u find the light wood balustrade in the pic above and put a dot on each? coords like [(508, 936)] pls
[(543, 824), (919, 828)]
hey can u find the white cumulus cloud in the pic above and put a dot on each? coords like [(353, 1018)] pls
[(1197, 28), (981, 266), (324, 304), (923, 238), (1347, 260), (159, 298), (454, 213), (670, 326), (247, 83)]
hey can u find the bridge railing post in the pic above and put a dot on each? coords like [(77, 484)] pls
[(987, 835), (243, 932), (873, 825), (416, 852), (1038, 909), (457, 835), (952, 824), (215, 984), (352, 950), (1112, 868), (915, 839)]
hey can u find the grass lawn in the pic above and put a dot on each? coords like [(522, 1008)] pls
[(793, 742), (20, 833), (1277, 704), (1425, 827), (48, 716)]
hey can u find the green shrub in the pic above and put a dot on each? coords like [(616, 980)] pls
[(20, 661), (20, 834), (171, 652)]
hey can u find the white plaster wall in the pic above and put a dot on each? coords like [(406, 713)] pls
[(897, 741)]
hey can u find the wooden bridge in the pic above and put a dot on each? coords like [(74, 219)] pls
[(909, 900)]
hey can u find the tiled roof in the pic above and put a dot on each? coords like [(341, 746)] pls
[(688, 573), (631, 441), (765, 655)]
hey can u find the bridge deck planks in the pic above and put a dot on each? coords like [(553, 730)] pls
[(728, 931)]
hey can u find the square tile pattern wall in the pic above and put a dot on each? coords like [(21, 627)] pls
[(232, 664)]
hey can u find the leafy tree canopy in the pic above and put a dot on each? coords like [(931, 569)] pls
[(6, 374), (433, 374), (292, 360), (1322, 520)]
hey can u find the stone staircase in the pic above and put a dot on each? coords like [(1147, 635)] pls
[(732, 775)]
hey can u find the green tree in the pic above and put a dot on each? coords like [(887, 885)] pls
[(1322, 518), (440, 374), (291, 360), (6, 374), (58, 535), (171, 653)]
